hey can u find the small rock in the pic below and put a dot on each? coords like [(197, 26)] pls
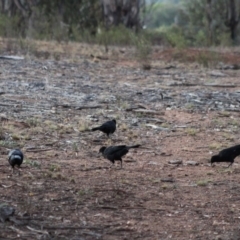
[(134, 121), (157, 127), (153, 163), (193, 163), (217, 74), (175, 161)]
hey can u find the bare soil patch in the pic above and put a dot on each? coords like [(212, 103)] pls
[(177, 111)]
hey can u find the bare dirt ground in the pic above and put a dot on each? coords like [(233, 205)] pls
[(178, 110)]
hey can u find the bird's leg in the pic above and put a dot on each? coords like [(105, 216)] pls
[(230, 164), (121, 162), (110, 166), (13, 170), (19, 171)]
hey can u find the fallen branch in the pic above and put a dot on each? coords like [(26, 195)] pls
[(147, 111), (11, 57), (220, 85), (37, 231), (93, 168), (88, 107), (38, 150), (78, 107), (69, 227)]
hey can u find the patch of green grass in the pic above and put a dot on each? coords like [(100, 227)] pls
[(59, 176), (224, 114), (75, 147), (208, 59), (65, 129), (50, 125), (168, 186), (191, 131), (165, 125), (215, 146), (173, 36), (83, 126), (55, 176), (16, 137), (36, 130), (143, 51), (27, 45), (27, 137), (132, 135), (189, 106), (2, 134), (140, 114), (229, 136), (217, 123), (156, 180), (55, 168), (123, 127), (33, 122), (9, 144), (224, 170), (84, 192), (72, 180), (235, 122), (33, 163), (123, 104), (203, 183)]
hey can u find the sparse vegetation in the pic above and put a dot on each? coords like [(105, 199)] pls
[(192, 131), (55, 168), (32, 163), (203, 183), (33, 122), (215, 146), (83, 126)]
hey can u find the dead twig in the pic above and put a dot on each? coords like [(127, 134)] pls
[(37, 231), (78, 107), (220, 85), (38, 150), (70, 227)]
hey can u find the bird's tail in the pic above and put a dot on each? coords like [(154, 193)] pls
[(134, 146), (95, 129)]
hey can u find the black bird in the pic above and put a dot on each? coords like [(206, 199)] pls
[(227, 155), (15, 157), (115, 153), (108, 127)]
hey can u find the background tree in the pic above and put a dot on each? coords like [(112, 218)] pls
[(124, 12)]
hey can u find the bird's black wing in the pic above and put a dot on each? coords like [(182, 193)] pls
[(108, 126), (231, 152), (115, 152)]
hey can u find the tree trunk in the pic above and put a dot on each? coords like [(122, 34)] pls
[(126, 12), (209, 21), (232, 18)]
